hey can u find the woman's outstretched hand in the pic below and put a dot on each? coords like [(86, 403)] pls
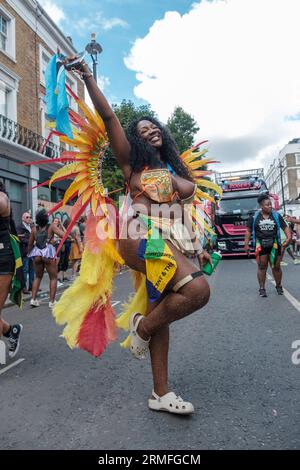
[(204, 257)]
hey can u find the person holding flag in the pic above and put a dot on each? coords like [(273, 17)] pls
[(264, 228)]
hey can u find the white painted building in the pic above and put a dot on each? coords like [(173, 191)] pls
[(287, 163)]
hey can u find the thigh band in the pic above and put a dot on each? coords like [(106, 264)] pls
[(185, 280)]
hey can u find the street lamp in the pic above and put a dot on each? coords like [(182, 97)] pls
[(280, 166), (93, 48)]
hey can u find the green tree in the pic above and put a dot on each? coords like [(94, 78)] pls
[(127, 112), (183, 127)]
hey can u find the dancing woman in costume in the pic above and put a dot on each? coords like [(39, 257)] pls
[(162, 251)]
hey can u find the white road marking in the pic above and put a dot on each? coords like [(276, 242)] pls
[(11, 365), (295, 303), (116, 302)]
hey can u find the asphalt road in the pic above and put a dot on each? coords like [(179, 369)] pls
[(233, 360)]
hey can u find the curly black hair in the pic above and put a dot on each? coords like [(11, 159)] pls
[(143, 154), (42, 218), (262, 197)]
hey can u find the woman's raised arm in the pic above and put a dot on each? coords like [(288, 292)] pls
[(118, 140)]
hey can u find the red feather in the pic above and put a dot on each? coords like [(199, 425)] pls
[(76, 118), (110, 322), (200, 143), (50, 160), (92, 335), (57, 206), (39, 185)]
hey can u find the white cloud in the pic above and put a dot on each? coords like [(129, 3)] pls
[(109, 23), (94, 22), (234, 65), (54, 11)]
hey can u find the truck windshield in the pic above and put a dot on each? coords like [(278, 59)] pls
[(237, 206)]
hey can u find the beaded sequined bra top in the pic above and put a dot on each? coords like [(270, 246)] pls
[(157, 184)]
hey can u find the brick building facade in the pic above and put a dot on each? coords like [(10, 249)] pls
[(28, 39)]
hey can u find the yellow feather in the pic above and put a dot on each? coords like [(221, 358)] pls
[(210, 184), (112, 252), (203, 195), (86, 194), (72, 189), (100, 122), (82, 137), (64, 171), (81, 176), (94, 203), (199, 163), (88, 114), (194, 155), (137, 303), (84, 185)]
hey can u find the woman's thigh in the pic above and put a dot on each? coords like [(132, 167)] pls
[(51, 268), (38, 265), (263, 261), (129, 250), (5, 282)]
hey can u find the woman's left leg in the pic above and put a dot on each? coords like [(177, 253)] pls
[(277, 272), (5, 281), (159, 349)]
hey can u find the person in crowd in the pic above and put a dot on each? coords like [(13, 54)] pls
[(7, 270), (290, 249), (24, 231), (264, 227), (43, 252), (76, 249), (64, 257)]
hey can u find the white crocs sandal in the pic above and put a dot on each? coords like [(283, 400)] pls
[(170, 402), (138, 346)]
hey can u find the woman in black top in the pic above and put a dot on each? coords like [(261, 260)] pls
[(7, 268), (267, 226)]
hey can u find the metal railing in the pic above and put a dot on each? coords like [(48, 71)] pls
[(18, 134), (257, 172)]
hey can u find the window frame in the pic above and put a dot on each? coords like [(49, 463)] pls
[(10, 50)]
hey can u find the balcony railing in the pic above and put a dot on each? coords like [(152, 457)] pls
[(18, 134)]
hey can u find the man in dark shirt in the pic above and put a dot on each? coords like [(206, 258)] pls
[(24, 231), (267, 226)]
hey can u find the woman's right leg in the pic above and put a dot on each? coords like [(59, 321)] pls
[(173, 306), (5, 280), (262, 270), (51, 267), (38, 265)]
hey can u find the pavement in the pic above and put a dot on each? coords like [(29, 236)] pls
[(44, 289), (236, 360)]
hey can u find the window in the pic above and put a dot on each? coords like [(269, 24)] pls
[(297, 155), (7, 34), (45, 57), (298, 174), (9, 83), (3, 101), (72, 84), (3, 33)]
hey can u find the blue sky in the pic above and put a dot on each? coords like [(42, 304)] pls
[(118, 23), (231, 64)]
